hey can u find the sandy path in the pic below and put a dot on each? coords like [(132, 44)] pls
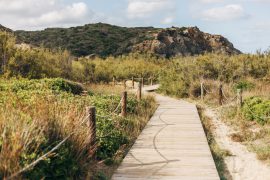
[(242, 165)]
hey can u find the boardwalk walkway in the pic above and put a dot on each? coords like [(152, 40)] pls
[(172, 146)]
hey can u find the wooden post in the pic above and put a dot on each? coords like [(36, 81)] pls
[(132, 82), (220, 99), (202, 92), (125, 85), (139, 92), (151, 81), (142, 82), (114, 81), (239, 98), (92, 125), (124, 104)]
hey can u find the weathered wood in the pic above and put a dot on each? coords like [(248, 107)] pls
[(239, 98), (220, 95), (125, 84), (139, 92), (172, 146), (124, 104), (114, 82), (92, 126), (133, 82), (202, 91)]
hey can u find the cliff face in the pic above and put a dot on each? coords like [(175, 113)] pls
[(184, 42), (106, 40)]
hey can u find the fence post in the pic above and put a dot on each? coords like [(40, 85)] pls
[(151, 81), (239, 98), (92, 125), (132, 82), (220, 99), (124, 104), (139, 92), (142, 82), (114, 81), (202, 92), (125, 85)]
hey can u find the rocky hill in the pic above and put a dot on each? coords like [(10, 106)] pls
[(104, 40), (2, 28)]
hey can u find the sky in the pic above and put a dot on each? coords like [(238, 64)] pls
[(243, 22)]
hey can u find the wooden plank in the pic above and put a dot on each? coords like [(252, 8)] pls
[(172, 146)]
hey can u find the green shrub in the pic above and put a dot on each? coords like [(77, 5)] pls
[(257, 109), (244, 85), (68, 86)]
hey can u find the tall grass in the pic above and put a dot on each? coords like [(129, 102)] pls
[(36, 115)]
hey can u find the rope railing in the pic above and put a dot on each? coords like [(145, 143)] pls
[(91, 117), (259, 117), (141, 79), (223, 98)]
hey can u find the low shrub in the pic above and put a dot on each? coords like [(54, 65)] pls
[(257, 109), (244, 85)]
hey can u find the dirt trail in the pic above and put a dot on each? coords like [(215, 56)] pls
[(242, 165)]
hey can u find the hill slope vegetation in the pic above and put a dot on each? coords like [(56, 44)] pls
[(105, 40)]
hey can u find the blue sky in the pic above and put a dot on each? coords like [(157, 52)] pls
[(244, 22)]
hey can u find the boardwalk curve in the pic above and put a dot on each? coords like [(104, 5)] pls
[(172, 146)]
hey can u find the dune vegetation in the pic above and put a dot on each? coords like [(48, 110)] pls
[(40, 104)]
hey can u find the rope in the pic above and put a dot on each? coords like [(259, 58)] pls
[(112, 113), (227, 99), (207, 90), (33, 164)]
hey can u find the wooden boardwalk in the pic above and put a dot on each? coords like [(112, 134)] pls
[(172, 146)]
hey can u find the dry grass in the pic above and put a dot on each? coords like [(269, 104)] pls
[(32, 122), (218, 153)]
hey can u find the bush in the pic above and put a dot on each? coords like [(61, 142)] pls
[(257, 109), (244, 85)]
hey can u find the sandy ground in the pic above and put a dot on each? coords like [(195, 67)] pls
[(242, 165)]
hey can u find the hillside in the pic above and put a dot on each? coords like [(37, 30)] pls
[(3, 28), (104, 40)]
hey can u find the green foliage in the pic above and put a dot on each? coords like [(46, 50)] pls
[(257, 109), (63, 85), (244, 85), (100, 39), (181, 76), (35, 115)]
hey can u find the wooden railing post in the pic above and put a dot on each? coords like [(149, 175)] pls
[(239, 98), (139, 92), (220, 99), (202, 91), (142, 82), (151, 81), (124, 104), (125, 85), (132, 82), (114, 83), (92, 125)]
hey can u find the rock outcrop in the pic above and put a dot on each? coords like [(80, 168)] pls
[(184, 42)]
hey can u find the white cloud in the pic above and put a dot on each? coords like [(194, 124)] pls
[(167, 20), (147, 8), (211, 1), (36, 14), (225, 13)]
